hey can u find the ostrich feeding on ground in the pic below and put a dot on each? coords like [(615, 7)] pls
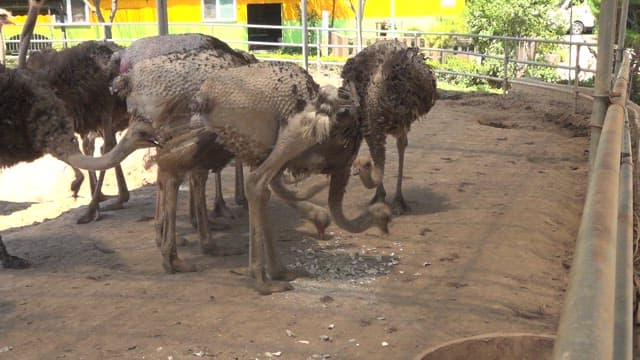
[(395, 88), (152, 46), (81, 77), (274, 117), (160, 89), (5, 19)]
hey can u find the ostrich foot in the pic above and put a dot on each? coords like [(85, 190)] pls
[(9, 261), (287, 274), (118, 205), (92, 214), (399, 206), (14, 262), (220, 209), (212, 249), (177, 266), (269, 287), (242, 202)]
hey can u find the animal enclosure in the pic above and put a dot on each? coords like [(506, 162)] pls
[(496, 186)]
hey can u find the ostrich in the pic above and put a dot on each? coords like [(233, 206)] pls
[(81, 77), (395, 88), (33, 122), (160, 89), (152, 46), (274, 117), (5, 19)]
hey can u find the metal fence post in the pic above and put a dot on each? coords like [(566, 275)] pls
[(318, 50), (505, 81), (576, 78), (305, 39)]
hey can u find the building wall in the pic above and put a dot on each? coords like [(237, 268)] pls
[(409, 15)]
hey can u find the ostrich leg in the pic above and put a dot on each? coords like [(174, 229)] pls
[(9, 261), (193, 194), (220, 208), (77, 182), (198, 180), (159, 214), (377, 149), (268, 271), (167, 227), (241, 199), (123, 191), (93, 210), (399, 206), (88, 148)]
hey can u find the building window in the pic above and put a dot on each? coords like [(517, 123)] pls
[(219, 10), (77, 11)]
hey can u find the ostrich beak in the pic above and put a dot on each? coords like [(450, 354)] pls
[(155, 142)]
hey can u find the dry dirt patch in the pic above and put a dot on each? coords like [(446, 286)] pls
[(485, 249)]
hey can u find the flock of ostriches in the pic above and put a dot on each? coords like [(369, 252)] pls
[(201, 104)]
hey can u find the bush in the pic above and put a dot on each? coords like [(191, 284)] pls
[(632, 41), (543, 73), (488, 67), (458, 65)]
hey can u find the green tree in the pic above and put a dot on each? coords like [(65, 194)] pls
[(517, 18)]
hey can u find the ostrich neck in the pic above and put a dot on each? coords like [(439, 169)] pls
[(306, 193), (27, 31), (2, 51), (106, 161), (362, 222)]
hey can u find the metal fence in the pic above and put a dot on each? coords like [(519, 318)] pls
[(573, 59), (597, 316), (596, 320)]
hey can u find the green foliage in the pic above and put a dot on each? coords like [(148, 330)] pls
[(446, 25), (594, 5), (313, 20), (517, 18), (489, 67), (543, 73), (284, 55), (411, 30), (632, 41), (457, 65)]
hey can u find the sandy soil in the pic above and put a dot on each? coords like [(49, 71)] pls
[(496, 186)]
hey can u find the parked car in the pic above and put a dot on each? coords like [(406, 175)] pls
[(577, 16)]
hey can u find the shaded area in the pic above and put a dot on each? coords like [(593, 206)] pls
[(9, 207)]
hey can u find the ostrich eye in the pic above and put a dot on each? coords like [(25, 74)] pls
[(74, 140)]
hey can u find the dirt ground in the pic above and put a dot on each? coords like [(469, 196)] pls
[(496, 186)]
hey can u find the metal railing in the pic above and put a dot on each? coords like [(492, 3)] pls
[(330, 47), (596, 320)]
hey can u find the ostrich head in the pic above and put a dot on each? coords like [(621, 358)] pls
[(5, 18), (330, 105)]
